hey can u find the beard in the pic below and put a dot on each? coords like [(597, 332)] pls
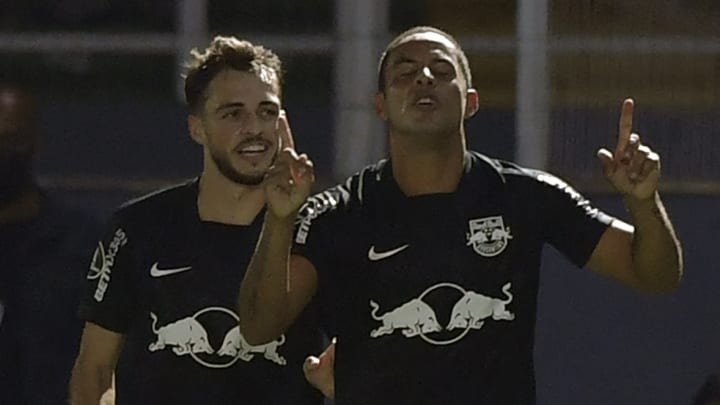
[(229, 172)]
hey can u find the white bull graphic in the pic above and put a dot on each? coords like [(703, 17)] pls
[(413, 317), (234, 344), (472, 309), (186, 335)]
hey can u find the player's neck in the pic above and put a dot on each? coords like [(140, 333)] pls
[(426, 167), (221, 200), (25, 206)]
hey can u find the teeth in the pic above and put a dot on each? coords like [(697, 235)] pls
[(253, 148), (425, 100)]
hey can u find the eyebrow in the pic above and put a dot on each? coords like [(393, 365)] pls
[(229, 105), (403, 59), (238, 104)]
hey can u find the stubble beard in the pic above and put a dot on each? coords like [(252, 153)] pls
[(229, 172)]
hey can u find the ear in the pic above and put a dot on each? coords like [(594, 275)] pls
[(379, 103), (472, 103), (196, 129)]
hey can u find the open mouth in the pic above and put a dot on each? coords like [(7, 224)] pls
[(253, 148), (426, 102)]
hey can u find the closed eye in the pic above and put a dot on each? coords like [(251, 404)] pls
[(406, 68), (443, 69)]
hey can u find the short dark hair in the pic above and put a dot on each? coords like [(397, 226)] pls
[(709, 392), (226, 53), (458, 53)]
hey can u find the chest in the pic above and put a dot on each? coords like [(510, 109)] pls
[(438, 270), (189, 280), (475, 245), (187, 270)]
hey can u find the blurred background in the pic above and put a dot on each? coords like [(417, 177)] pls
[(551, 75)]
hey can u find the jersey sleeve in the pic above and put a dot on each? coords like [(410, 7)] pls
[(570, 222), (111, 288), (316, 227)]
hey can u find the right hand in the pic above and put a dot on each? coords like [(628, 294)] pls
[(633, 169), (289, 181), (320, 371)]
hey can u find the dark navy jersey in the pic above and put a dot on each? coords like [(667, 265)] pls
[(433, 298), (169, 282)]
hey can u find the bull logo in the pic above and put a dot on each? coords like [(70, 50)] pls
[(188, 336), (417, 318), (473, 309), (414, 318), (488, 236), (185, 336), (234, 345)]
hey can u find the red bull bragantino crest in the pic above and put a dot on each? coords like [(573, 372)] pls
[(488, 236)]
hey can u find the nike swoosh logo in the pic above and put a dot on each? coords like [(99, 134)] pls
[(374, 256), (157, 272)]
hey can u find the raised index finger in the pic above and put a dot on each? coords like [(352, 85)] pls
[(626, 123), (283, 130)]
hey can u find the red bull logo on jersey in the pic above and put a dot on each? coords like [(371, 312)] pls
[(417, 318), (184, 336), (189, 337), (103, 261), (412, 318), (235, 345), (488, 236), (473, 309)]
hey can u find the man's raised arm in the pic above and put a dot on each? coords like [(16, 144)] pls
[(647, 255), (276, 287)]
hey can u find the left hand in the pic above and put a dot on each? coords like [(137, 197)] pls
[(633, 168), (320, 371)]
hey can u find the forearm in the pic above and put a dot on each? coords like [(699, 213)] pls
[(88, 385), (656, 250), (263, 298)]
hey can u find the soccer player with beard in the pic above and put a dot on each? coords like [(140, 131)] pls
[(160, 308)]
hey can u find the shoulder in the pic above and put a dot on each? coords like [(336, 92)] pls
[(525, 182), (158, 200), (518, 176), (157, 205), (544, 181), (344, 196)]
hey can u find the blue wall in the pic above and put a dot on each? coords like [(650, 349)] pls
[(600, 343)]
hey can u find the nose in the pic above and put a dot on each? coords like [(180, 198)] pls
[(425, 76), (250, 125)]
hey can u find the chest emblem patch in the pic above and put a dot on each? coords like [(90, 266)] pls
[(488, 236)]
